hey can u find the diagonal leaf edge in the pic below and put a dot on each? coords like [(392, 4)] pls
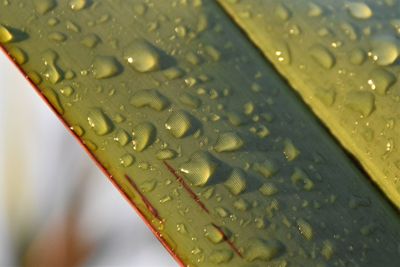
[(124, 194)]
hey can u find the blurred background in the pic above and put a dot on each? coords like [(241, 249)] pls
[(56, 207)]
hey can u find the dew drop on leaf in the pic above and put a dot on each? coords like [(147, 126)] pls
[(105, 67), (44, 6), (228, 142), (142, 56), (359, 10), (199, 169), (99, 122), (179, 124), (5, 34), (143, 135)]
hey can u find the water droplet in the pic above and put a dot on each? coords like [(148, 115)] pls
[(300, 178), (90, 40), (17, 54), (181, 31), (52, 96), (290, 151), (213, 234), (196, 251), (360, 101), (78, 130), (70, 74), (77, 5), (192, 58), (262, 131), (305, 229), (268, 189), (173, 73), (322, 56), (149, 98), (294, 30), (58, 37), (255, 87), (89, 144), (190, 81), (105, 67), (350, 32), (236, 119), (357, 56), (389, 145), (153, 26), (282, 12), (248, 108), (143, 135), (323, 32), (118, 118), (396, 25), (359, 10), (166, 154), (380, 80), (181, 228), (144, 165), (199, 169), (52, 73), (67, 91), (241, 204), (190, 100), (264, 250), (179, 124), (282, 52), (236, 183), (390, 123), (384, 50), (259, 222), (99, 122), (328, 249), (148, 186), (201, 91), (266, 168), (165, 199), (5, 35), (53, 22), (140, 8), (72, 27), (103, 19), (202, 22), (314, 10), (223, 213), (221, 256), (142, 56), (34, 77), (44, 6), (228, 142), (126, 160), (327, 96), (208, 193), (213, 52), (122, 137)]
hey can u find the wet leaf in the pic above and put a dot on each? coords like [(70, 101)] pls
[(250, 177)]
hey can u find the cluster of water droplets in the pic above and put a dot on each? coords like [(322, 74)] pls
[(343, 58), (167, 86)]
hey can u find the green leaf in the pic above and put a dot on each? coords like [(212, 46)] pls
[(199, 132), (342, 57)]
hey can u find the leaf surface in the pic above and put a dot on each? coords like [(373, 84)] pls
[(342, 57), (200, 133)]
